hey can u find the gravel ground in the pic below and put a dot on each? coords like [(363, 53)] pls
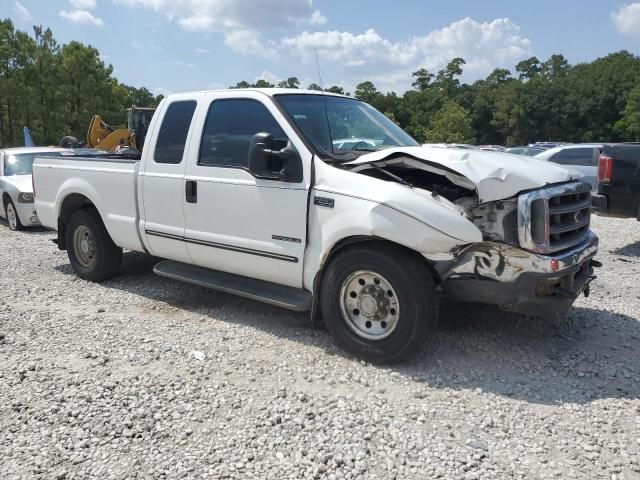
[(143, 377)]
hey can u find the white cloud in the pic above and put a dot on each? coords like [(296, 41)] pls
[(225, 15), (268, 76), (137, 45), (202, 51), (190, 66), (22, 11), (248, 42), (83, 4), (484, 46), (627, 19), (241, 21), (317, 18), (83, 17)]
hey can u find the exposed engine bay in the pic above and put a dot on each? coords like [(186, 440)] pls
[(497, 220)]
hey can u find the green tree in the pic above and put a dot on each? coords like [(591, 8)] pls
[(556, 66), (87, 88), (447, 78), (291, 82), (423, 79), (451, 124), (46, 126), (336, 89), (367, 92), (628, 127), (529, 68), (263, 84), (242, 84), (314, 86)]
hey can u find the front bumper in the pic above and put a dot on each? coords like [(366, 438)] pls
[(520, 281), (27, 214)]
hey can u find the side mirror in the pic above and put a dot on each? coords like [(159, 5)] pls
[(284, 165)]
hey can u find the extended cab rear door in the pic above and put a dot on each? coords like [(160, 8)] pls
[(236, 222), (162, 178)]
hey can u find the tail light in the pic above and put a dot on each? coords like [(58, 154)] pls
[(33, 186), (605, 169)]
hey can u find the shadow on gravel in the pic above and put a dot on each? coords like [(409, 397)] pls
[(588, 355), (631, 250)]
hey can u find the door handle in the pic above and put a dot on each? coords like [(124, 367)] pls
[(191, 191)]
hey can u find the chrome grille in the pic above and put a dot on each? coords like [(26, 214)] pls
[(555, 218)]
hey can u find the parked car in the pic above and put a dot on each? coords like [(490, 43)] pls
[(618, 181), (578, 158), (464, 146), (242, 191), (527, 151), (16, 190), (548, 145), (493, 148)]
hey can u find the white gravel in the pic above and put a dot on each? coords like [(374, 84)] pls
[(143, 377)]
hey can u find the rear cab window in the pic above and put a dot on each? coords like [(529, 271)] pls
[(173, 132)]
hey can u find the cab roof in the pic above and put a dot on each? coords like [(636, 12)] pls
[(267, 91)]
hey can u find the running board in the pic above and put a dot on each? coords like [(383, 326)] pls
[(267, 292)]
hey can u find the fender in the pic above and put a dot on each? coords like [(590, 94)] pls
[(352, 217)]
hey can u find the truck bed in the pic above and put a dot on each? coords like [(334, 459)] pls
[(108, 181), (621, 197)]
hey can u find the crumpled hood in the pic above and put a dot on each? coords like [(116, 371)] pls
[(21, 182), (495, 175)]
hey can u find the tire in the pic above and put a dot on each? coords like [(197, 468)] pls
[(69, 142), (12, 215), (97, 258), (405, 302)]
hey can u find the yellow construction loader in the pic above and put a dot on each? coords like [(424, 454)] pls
[(115, 140)]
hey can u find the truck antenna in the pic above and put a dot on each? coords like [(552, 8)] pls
[(318, 65)]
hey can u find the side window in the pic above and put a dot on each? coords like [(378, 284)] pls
[(173, 132), (230, 125), (574, 156)]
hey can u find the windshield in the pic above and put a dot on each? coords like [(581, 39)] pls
[(22, 163), (343, 127)]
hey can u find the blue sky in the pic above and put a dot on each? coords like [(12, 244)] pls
[(178, 45)]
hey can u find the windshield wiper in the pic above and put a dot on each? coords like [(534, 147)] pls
[(392, 175)]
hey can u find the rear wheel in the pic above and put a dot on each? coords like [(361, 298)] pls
[(92, 253), (12, 216), (379, 302)]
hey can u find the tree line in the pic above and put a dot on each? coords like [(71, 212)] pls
[(542, 100), (55, 90)]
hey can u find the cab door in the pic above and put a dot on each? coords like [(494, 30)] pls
[(162, 181), (235, 222)]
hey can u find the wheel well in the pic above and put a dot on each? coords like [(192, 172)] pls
[(353, 242), (5, 201), (70, 205)]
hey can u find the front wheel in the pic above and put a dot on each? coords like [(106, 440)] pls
[(92, 253), (379, 302), (12, 216)]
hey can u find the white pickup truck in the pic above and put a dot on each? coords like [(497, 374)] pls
[(262, 193)]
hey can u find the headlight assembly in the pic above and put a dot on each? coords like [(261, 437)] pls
[(25, 197)]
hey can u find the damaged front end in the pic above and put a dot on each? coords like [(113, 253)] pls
[(520, 281), (539, 256), (537, 251)]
